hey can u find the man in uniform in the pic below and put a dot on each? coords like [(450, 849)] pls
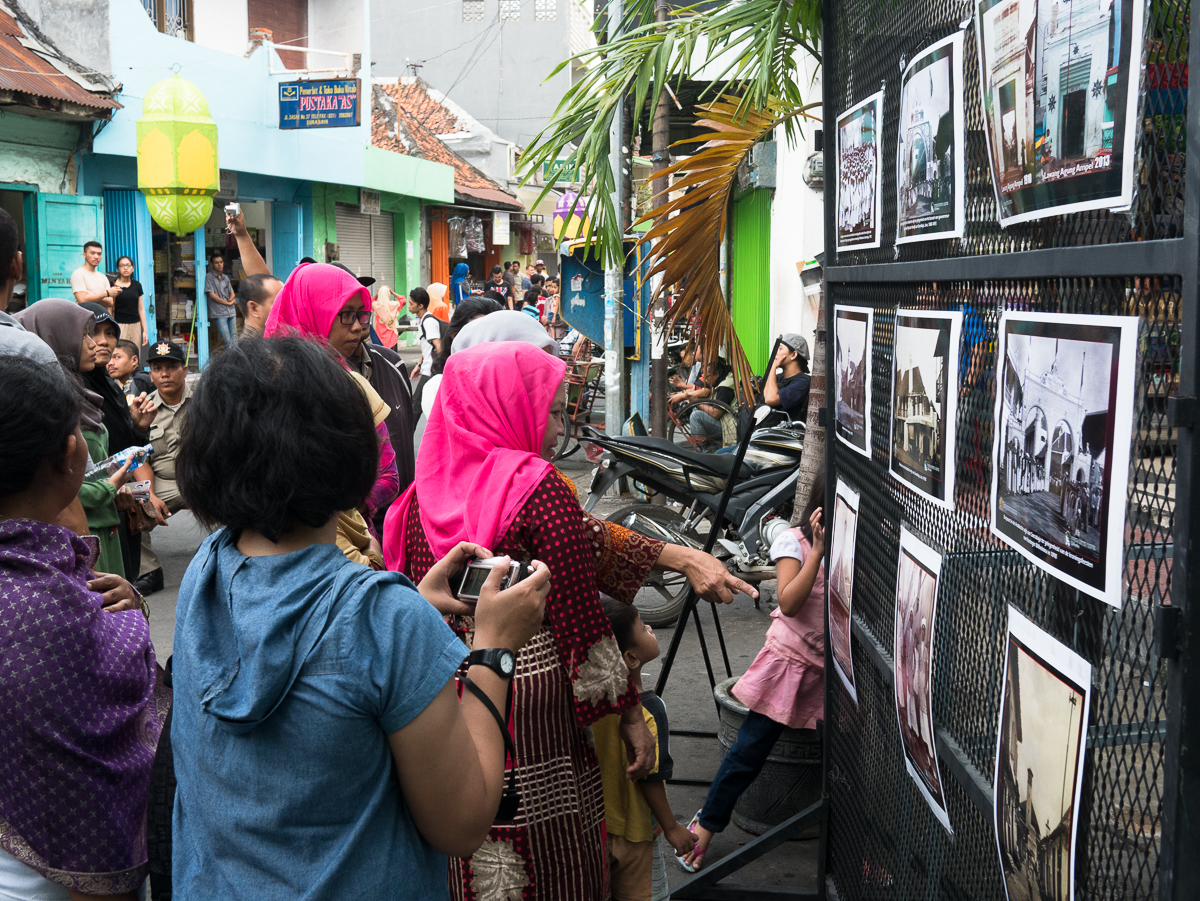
[(169, 401)]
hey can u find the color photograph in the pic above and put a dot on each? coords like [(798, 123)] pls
[(924, 402), (841, 583), (853, 328), (912, 649), (1063, 426), (1039, 762), (1059, 85), (930, 176), (859, 176)]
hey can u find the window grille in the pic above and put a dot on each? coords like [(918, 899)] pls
[(545, 10), (472, 10), (510, 10)]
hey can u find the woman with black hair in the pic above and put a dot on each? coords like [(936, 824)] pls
[(319, 743), (67, 328), (80, 719)]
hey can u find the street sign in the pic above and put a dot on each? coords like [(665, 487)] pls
[(319, 104)]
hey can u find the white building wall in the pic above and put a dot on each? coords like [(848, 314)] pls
[(223, 25), (339, 25), (797, 230)]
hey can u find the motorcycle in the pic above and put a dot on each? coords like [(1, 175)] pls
[(759, 509)]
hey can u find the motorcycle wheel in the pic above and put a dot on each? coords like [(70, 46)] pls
[(660, 599), (681, 434)]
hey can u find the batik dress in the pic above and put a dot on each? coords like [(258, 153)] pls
[(568, 676)]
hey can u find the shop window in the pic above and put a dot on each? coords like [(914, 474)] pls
[(545, 10), (173, 17), (510, 10), (472, 10)]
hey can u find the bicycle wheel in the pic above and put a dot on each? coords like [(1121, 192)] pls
[(660, 599)]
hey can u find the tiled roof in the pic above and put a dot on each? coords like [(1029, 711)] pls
[(25, 72), (403, 121)]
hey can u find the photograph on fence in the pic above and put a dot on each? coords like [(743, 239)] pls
[(930, 172), (925, 401), (1061, 444), (853, 328), (1059, 86), (841, 583), (912, 649), (860, 175), (1039, 762)]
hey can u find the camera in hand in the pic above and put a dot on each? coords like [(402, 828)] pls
[(477, 573)]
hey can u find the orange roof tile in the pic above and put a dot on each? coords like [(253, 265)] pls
[(406, 124)]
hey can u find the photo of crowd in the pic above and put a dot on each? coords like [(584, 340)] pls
[(859, 175)]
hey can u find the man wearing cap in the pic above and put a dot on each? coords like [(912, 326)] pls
[(169, 402), (540, 267), (789, 392)]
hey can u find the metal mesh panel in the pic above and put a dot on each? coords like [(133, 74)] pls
[(883, 841)]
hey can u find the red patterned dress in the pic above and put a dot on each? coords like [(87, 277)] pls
[(568, 676)]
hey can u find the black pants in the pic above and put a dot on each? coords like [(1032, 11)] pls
[(740, 767)]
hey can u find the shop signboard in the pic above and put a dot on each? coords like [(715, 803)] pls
[(319, 104)]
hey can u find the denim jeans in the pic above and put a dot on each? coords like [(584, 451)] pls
[(704, 425), (227, 329), (740, 767)]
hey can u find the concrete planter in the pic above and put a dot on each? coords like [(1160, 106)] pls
[(789, 782)]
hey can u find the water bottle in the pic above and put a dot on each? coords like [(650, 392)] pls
[(113, 464)]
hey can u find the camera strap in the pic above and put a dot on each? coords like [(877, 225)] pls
[(511, 799)]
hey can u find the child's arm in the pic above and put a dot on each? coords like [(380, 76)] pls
[(795, 582), (655, 794)]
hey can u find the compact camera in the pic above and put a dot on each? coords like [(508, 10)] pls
[(477, 573), (234, 208)]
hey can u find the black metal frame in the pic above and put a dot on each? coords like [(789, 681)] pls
[(1177, 625)]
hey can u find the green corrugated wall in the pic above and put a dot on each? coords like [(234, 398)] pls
[(750, 275)]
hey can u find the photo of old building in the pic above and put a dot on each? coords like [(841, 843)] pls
[(1007, 31), (852, 361), (923, 409), (1042, 722), (841, 582)]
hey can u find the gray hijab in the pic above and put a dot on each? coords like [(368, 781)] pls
[(62, 325), (504, 325)]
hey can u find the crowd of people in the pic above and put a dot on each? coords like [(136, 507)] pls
[(337, 718)]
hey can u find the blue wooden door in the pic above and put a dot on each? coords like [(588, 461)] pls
[(286, 228), (128, 230), (64, 223)]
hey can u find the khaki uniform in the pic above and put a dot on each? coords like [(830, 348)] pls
[(164, 435)]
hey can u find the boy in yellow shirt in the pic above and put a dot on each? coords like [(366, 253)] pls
[(631, 808)]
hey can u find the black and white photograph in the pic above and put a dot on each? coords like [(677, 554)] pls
[(1063, 426), (912, 648), (1039, 762), (860, 175), (1059, 85), (925, 402), (841, 583), (853, 328), (930, 168)]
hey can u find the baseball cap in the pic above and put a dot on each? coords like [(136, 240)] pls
[(796, 343), (365, 280), (166, 350), (101, 314), (539, 263)]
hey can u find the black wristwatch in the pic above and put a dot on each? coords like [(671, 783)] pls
[(499, 660)]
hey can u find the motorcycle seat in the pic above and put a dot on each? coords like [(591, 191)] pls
[(718, 464)]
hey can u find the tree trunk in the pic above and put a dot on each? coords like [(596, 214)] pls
[(814, 434)]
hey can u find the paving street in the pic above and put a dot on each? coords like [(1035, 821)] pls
[(1039, 513)]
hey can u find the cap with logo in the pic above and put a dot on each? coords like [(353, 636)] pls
[(796, 343), (166, 350)]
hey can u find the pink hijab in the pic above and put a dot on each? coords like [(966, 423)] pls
[(311, 298), (479, 459)]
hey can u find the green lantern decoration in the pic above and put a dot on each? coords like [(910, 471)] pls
[(177, 155)]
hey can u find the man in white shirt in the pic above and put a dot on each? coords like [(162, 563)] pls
[(90, 286), (429, 334)]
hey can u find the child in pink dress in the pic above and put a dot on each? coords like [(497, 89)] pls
[(784, 687)]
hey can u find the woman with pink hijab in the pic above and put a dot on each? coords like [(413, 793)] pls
[(484, 476), (328, 306)]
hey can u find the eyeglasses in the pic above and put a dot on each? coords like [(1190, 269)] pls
[(349, 317)]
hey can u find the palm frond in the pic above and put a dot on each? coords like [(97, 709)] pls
[(764, 42), (687, 231)]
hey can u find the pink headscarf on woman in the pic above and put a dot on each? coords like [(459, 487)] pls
[(310, 299), (480, 456)]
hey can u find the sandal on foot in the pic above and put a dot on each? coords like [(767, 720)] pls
[(697, 854)]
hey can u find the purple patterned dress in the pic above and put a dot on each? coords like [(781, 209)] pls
[(81, 717)]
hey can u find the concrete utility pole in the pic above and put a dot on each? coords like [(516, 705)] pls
[(661, 158), (614, 276)]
